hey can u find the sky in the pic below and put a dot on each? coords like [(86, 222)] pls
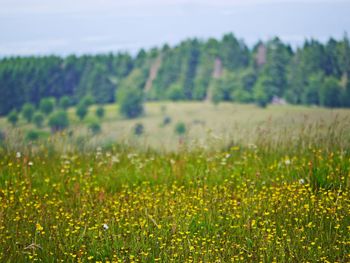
[(63, 27)]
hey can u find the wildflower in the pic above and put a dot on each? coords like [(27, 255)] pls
[(18, 155), (287, 162), (38, 227), (252, 146), (30, 163), (105, 226), (115, 159), (301, 181)]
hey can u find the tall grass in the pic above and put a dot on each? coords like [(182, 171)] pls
[(282, 197)]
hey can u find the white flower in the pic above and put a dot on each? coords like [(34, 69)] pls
[(252, 146), (105, 226), (115, 159), (18, 155), (287, 162), (301, 181), (30, 163)]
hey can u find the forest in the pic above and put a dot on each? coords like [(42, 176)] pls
[(218, 70)]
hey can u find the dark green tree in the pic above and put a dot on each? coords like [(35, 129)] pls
[(261, 94), (32, 135), (310, 94), (47, 105), (138, 129), (38, 119), (330, 93), (100, 112), (87, 101), (81, 111), (13, 117), (95, 127), (176, 92), (59, 121), (180, 128), (65, 102), (28, 111), (130, 102)]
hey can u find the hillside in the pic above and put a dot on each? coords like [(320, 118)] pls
[(220, 70), (208, 126)]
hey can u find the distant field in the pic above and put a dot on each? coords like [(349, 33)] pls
[(211, 126)]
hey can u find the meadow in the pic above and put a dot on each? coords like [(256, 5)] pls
[(243, 185), (208, 126)]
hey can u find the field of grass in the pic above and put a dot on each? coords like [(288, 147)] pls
[(207, 125), (262, 186)]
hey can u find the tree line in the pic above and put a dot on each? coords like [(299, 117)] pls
[(219, 70)]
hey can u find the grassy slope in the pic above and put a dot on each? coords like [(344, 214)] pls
[(209, 125)]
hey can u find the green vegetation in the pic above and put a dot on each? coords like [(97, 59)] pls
[(28, 111), (217, 70), (47, 105), (206, 125), (131, 102), (180, 128), (65, 102), (87, 101), (82, 110), (38, 119), (13, 117), (246, 203), (138, 129), (32, 135), (177, 180), (166, 120), (58, 121), (100, 112), (95, 127)]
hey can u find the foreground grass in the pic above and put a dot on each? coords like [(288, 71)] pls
[(246, 204)]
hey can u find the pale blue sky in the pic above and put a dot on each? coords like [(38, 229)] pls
[(93, 26)]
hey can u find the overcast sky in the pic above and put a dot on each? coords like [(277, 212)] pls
[(93, 26)]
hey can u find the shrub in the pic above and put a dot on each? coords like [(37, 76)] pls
[(81, 111), (130, 102), (138, 129), (58, 121), (28, 111), (65, 102), (47, 105), (180, 128), (100, 112), (95, 127), (13, 117), (88, 100), (330, 93), (166, 120), (2, 137), (176, 93), (32, 135), (38, 119)]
